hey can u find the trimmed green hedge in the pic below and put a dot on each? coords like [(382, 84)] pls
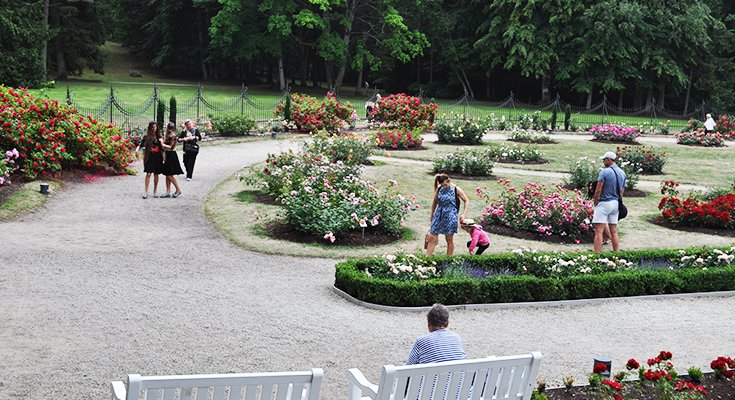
[(350, 278)]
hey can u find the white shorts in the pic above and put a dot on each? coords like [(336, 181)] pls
[(606, 212)]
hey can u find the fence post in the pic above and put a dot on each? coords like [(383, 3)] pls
[(112, 100), (68, 96), (155, 101), (242, 99), (604, 108), (199, 96), (512, 107), (653, 110)]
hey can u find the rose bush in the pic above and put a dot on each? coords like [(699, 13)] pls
[(468, 162), (693, 125), (8, 166), (700, 137), (646, 158), (50, 136), (398, 139), (309, 115), (614, 133), (724, 367), (405, 112), (583, 171), (717, 213), (465, 131), (516, 154), (540, 210), (529, 136), (725, 127), (348, 148)]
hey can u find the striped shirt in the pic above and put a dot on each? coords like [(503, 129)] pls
[(438, 346)]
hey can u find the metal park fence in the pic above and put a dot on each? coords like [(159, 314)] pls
[(199, 107)]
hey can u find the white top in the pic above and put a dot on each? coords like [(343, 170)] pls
[(709, 124)]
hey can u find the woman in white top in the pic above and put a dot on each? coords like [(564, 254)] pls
[(709, 124)]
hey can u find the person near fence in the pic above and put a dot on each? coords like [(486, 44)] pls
[(190, 137), (444, 212), (709, 124), (610, 187), (480, 240), (440, 344), (152, 157), (171, 165)]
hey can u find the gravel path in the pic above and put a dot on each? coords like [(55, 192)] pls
[(101, 283)]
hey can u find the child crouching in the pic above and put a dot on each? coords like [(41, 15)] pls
[(480, 240)]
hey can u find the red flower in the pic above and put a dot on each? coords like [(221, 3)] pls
[(632, 364), (599, 368)]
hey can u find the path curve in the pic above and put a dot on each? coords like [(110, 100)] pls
[(100, 283)]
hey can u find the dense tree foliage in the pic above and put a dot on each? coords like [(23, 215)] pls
[(676, 53)]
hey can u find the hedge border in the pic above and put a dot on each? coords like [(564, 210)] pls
[(530, 289)]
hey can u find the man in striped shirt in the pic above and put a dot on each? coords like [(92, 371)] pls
[(439, 344)]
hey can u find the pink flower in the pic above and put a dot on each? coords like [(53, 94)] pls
[(330, 236), (363, 222)]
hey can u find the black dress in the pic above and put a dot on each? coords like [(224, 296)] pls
[(153, 158), (172, 166)]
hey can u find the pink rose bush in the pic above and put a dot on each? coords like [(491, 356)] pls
[(700, 137), (404, 112), (8, 166), (309, 115), (614, 133), (398, 139), (539, 209)]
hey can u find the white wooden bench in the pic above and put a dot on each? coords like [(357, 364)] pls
[(511, 377), (302, 385)]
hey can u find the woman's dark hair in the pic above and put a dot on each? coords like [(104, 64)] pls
[(149, 131), (439, 179)]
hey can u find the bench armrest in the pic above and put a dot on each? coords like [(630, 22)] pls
[(359, 385), (118, 391)]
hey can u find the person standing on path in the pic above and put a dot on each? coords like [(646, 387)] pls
[(152, 157), (440, 344), (444, 212), (190, 137), (709, 124), (171, 166), (610, 189)]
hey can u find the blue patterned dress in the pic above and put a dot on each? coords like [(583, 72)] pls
[(445, 220)]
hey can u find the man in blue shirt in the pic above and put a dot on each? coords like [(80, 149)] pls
[(439, 344), (610, 188)]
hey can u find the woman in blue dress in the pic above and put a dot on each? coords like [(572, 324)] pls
[(445, 215)]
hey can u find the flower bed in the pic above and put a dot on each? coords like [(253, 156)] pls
[(405, 112), (614, 133), (50, 136), (8, 166), (647, 159), (540, 210), (309, 115), (529, 136), (517, 154), (700, 137), (398, 139), (523, 276), (725, 127), (718, 213), (348, 148), (466, 162), (693, 125), (461, 131)]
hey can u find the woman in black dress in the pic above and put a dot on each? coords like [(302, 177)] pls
[(171, 166), (152, 157)]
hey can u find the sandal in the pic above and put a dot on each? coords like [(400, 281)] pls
[(155, 196), (166, 196), (145, 196), (177, 194)]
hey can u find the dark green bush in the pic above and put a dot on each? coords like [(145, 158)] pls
[(231, 125), (567, 117), (647, 280), (172, 110)]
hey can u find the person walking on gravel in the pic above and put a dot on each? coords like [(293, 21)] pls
[(610, 189), (190, 137), (171, 166), (152, 157), (440, 344), (444, 212)]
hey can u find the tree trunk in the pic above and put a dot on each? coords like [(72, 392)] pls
[(649, 96), (620, 99), (269, 74), (358, 85), (340, 78), (314, 72), (200, 36), (689, 90), (304, 65), (589, 99), (44, 49), (431, 67), (281, 75), (661, 95), (329, 75), (61, 73), (545, 84)]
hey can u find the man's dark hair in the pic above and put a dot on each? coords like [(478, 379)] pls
[(438, 316)]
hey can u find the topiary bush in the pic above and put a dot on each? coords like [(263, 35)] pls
[(172, 110)]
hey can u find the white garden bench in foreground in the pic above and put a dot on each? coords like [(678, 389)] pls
[(511, 377), (301, 385)]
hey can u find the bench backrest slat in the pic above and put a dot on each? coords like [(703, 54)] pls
[(489, 378)]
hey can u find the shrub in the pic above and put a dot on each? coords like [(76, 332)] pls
[(693, 125), (349, 148), (466, 162), (160, 115), (724, 127), (309, 115), (531, 121), (535, 276), (539, 210), (398, 139), (8, 166), (567, 117), (614, 133), (462, 131), (646, 158), (553, 119), (404, 112), (232, 125), (695, 375), (529, 136), (663, 127), (700, 137), (717, 213), (172, 109), (516, 154), (49, 136), (491, 122), (724, 367), (582, 172)]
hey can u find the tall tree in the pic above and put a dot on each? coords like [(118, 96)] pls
[(77, 34), (22, 31)]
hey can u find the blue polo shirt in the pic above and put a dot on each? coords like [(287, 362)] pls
[(611, 191)]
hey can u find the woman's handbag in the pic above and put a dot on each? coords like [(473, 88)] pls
[(190, 147)]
